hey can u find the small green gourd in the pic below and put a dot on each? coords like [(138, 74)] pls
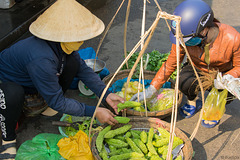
[(161, 142), (143, 136), (116, 152), (103, 154), (164, 133), (121, 130), (133, 145), (119, 137), (112, 148), (123, 120), (136, 131), (126, 156), (141, 145), (126, 150), (135, 135), (116, 143), (149, 142), (128, 104), (128, 134), (155, 157), (100, 138)]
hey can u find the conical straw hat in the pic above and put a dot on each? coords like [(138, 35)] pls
[(67, 21)]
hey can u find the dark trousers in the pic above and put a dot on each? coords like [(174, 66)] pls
[(188, 83), (12, 98)]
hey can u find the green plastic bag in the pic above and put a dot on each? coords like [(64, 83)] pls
[(214, 107), (41, 147)]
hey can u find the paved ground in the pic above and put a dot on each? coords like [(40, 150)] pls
[(221, 142)]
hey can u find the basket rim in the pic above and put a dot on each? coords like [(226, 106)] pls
[(126, 70), (60, 128)]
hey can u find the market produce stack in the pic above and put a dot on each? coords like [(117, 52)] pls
[(133, 140)]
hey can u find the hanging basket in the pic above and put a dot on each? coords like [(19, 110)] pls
[(147, 75), (141, 123)]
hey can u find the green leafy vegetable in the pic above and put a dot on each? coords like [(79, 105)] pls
[(70, 131), (155, 61)]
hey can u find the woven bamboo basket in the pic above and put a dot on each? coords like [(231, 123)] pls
[(147, 75), (148, 122)]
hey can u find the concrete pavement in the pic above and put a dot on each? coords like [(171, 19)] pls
[(221, 142)]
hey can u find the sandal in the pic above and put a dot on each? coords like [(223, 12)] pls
[(7, 155), (188, 111), (210, 124)]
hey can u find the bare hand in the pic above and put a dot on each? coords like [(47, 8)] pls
[(105, 116), (113, 100)]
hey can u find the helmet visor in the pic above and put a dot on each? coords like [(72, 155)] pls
[(173, 38)]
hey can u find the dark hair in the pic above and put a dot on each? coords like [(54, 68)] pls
[(216, 20)]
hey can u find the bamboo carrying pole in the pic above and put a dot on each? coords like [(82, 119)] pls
[(174, 111), (141, 54), (125, 30), (201, 89), (149, 33), (141, 75), (125, 60)]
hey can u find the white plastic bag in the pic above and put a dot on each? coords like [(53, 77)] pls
[(228, 82)]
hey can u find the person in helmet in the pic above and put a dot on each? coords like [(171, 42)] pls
[(212, 46), (46, 63)]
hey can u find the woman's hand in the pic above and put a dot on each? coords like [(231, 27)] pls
[(113, 100), (105, 116)]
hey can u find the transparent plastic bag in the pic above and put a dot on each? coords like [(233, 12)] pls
[(162, 100), (214, 107)]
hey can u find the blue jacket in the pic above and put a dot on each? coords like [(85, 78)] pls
[(33, 63)]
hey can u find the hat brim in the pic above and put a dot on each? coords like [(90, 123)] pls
[(173, 38), (67, 21)]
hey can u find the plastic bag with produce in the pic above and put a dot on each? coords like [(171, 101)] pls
[(163, 100), (214, 107)]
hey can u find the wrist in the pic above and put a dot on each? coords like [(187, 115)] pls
[(152, 89), (106, 95)]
